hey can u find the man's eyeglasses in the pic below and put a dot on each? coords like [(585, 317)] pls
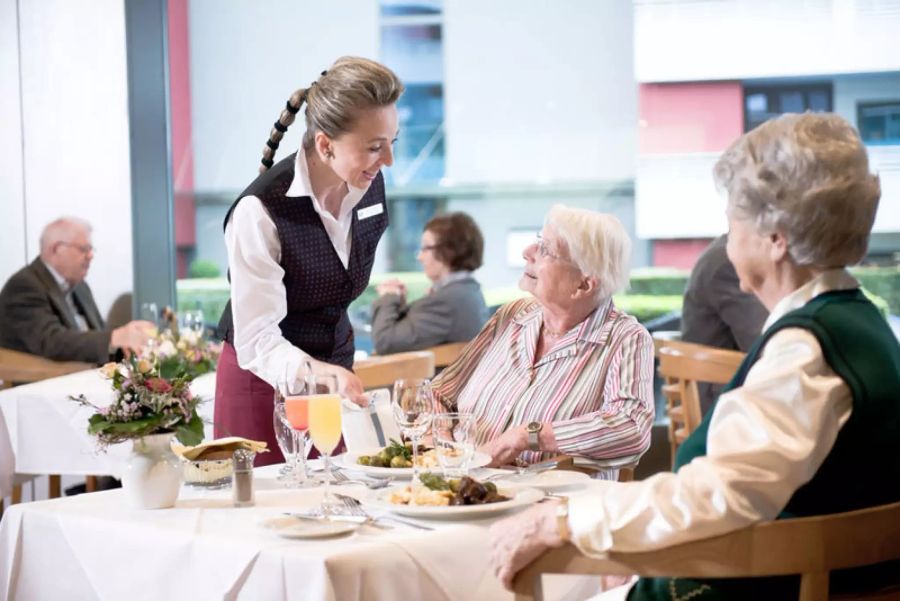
[(84, 248)]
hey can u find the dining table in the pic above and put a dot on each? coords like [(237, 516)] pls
[(96, 546), (43, 431)]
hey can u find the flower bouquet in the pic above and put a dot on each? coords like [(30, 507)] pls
[(146, 402), (182, 352)]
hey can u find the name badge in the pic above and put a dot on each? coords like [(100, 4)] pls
[(370, 211)]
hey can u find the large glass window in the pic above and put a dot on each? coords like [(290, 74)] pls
[(879, 122), (762, 103)]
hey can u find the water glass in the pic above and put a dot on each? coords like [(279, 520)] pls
[(192, 321), (150, 312), (454, 442), (411, 404)]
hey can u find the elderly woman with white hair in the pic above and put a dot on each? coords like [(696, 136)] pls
[(565, 371), (808, 426)]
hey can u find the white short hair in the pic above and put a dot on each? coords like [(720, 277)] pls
[(62, 230), (806, 176), (598, 244)]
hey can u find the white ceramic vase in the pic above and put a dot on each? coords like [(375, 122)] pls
[(152, 474)]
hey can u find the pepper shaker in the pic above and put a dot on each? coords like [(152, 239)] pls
[(242, 478)]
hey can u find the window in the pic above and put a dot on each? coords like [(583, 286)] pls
[(762, 103), (879, 122)]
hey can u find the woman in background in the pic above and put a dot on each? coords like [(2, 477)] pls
[(453, 310)]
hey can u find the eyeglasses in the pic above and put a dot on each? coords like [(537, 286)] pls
[(84, 248), (544, 253), (428, 247)]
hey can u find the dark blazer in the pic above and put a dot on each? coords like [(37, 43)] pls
[(453, 313), (716, 312), (35, 318)]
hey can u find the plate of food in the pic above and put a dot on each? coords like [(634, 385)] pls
[(396, 460), (440, 498)]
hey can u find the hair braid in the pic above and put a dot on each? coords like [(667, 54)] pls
[(285, 120)]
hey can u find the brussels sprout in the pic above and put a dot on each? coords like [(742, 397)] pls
[(398, 462), (454, 485), (376, 461), (364, 460), (385, 457), (490, 486)]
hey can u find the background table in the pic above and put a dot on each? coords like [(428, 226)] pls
[(42, 431), (95, 546)]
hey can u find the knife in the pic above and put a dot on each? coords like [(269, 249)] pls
[(352, 519)]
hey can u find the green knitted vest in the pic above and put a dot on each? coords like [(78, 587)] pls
[(862, 469)]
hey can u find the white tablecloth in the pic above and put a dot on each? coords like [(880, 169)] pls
[(95, 547), (42, 431)]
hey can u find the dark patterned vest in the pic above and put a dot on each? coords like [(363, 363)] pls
[(861, 470), (318, 287)]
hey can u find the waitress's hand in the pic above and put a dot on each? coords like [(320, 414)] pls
[(393, 286), (349, 383)]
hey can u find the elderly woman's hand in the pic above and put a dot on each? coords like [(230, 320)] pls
[(393, 286), (519, 540), (506, 447)]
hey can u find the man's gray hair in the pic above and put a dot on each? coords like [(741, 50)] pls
[(598, 244), (62, 230), (806, 176)]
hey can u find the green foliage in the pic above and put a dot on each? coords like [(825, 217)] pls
[(658, 281), (204, 268), (883, 282), (210, 295)]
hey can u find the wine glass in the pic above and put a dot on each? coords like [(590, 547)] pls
[(324, 404), (290, 420), (412, 407), (192, 321), (454, 442)]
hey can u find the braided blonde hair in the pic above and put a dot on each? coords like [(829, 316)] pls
[(334, 101)]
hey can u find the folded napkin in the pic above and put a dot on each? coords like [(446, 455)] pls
[(369, 428), (221, 448)]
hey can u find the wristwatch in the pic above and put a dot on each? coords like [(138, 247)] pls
[(534, 429)]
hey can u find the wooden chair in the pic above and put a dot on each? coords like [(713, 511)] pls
[(21, 368), (682, 365), (381, 370), (811, 547), (445, 354)]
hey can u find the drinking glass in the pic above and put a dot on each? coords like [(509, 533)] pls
[(324, 405), (192, 321), (412, 407), (150, 312), (290, 420), (454, 442)]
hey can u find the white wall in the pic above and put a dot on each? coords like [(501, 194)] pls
[(12, 209), (247, 58), (75, 122), (538, 91), (695, 40)]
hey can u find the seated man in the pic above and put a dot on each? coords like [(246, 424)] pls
[(48, 309), (566, 371)]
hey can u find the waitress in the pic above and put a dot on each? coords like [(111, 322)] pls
[(301, 241)]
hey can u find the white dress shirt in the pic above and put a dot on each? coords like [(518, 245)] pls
[(258, 298), (766, 439)]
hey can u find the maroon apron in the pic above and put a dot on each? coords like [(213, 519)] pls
[(245, 405)]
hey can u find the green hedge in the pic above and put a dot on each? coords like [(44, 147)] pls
[(654, 291)]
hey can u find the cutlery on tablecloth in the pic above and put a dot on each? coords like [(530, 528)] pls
[(354, 506), (530, 470)]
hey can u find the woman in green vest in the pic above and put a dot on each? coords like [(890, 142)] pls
[(808, 426)]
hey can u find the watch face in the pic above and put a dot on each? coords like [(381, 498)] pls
[(534, 427)]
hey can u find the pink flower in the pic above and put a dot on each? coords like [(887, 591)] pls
[(158, 385)]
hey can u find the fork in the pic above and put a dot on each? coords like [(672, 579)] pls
[(373, 484), (354, 507)]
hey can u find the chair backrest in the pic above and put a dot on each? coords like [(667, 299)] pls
[(810, 547), (21, 368), (383, 370), (445, 354), (682, 365)]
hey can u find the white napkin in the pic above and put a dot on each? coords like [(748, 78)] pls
[(359, 423)]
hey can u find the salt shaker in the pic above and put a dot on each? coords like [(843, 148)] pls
[(242, 478)]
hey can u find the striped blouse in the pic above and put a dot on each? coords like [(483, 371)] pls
[(595, 385)]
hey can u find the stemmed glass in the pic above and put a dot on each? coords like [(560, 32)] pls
[(325, 426), (412, 407), (454, 441), (192, 321), (290, 420)]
